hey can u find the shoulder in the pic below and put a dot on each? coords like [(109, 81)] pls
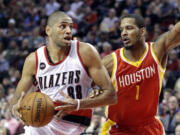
[(30, 63), (88, 53), (86, 47), (31, 58), (88, 50)]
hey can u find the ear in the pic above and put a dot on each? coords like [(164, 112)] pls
[(143, 31), (48, 30)]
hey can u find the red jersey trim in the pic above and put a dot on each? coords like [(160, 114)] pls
[(54, 64), (134, 63), (85, 68), (36, 62)]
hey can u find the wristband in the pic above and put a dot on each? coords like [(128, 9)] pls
[(78, 104)]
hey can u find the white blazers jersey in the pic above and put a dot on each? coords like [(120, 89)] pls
[(68, 75)]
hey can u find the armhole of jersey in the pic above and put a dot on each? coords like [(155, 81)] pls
[(155, 57), (36, 63), (85, 68), (113, 76)]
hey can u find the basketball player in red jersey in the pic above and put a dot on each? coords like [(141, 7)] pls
[(137, 71), (69, 66)]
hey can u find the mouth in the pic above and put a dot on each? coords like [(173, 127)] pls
[(68, 39), (126, 40)]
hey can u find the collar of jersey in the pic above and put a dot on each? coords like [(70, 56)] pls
[(134, 63)]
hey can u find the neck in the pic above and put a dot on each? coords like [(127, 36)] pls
[(136, 52), (57, 53)]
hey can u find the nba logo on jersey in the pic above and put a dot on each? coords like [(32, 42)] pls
[(42, 66)]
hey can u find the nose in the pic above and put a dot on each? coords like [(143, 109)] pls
[(68, 30), (123, 32)]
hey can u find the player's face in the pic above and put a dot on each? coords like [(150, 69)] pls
[(130, 33), (61, 32)]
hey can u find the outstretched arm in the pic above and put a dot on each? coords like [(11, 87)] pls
[(168, 40), (100, 77)]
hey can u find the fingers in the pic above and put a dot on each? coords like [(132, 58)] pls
[(17, 114), (16, 108), (64, 107), (59, 102), (20, 99), (22, 122), (95, 93), (63, 94), (60, 115)]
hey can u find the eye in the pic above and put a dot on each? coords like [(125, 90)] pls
[(129, 27), (63, 26)]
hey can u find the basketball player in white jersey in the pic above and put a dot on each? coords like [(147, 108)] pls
[(67, 66)]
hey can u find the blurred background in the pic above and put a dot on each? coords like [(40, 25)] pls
[(22, 30)]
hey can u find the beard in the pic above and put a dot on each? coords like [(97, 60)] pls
[(129, 47)]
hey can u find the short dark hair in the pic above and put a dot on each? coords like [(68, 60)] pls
[(139, 20), (54, 17)]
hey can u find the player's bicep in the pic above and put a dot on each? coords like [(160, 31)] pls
[(27, 74), (97, 71)]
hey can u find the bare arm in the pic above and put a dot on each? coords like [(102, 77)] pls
[(99, 75), (167, 41), (108, 63), (26, 80)]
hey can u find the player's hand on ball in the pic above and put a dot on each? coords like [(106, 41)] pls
[(16, 108), (66, 106)]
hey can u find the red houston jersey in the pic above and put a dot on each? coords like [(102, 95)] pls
[(138, 86)]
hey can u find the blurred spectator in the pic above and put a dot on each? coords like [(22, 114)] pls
[(107, 49), (169, 121), (115, 36), (163, 106), (9, 122), (35, 39), (4, 66), (11, 31), (52, 6), (173, 62), (110, 20), (11, 54), (75, 5)]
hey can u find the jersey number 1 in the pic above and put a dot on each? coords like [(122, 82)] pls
[(137, 92)]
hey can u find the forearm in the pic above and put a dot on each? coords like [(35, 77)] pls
[(173, 38), (106, 98), (20, 88)]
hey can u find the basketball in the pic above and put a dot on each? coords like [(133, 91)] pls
[(37, 109)]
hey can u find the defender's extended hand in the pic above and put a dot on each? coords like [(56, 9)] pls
[(95, 93)]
